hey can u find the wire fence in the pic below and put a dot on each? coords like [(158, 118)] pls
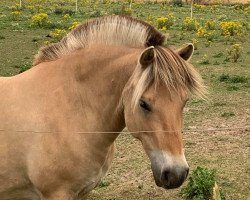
[(243, 128)]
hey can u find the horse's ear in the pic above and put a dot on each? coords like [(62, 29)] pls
[(147, 57), (186, 52)]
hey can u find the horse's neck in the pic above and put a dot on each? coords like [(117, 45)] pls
[(101, 75)]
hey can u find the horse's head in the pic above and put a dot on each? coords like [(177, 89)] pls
[(153, 104)]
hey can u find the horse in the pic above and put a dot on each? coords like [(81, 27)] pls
[(59, 119)]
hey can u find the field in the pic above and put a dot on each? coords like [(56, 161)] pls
[(221, 35)]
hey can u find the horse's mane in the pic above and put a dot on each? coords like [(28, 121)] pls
[(169, 67), (110, 30)]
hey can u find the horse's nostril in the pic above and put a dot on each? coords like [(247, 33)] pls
[(173, 178), (166, 174), (166, 177)]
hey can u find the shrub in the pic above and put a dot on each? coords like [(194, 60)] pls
[(40, 19), (231, 28), (74, 25), (23, 68), (190, 24), (238, 79), (234, 53), (198, 6), (15, 14), (66, 17), (201, 32), (224, 78), (58, 11), (165, 22), (200, 185), (233, 79), (227, 114), (57, 34), (177, 2), (104, 184), (210, 25)]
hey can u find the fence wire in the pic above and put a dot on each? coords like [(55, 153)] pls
[(244, 128)]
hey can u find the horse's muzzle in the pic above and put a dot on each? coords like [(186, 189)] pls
[(167, 172), (173, 178)]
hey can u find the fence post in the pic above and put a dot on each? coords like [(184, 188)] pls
[(20, 3), (191, 8)]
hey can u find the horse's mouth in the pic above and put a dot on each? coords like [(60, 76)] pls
[(167, 186)]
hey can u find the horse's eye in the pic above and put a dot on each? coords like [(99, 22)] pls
[(145, 106)]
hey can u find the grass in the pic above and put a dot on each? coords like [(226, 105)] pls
[(130, 176)]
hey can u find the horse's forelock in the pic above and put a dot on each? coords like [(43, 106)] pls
[(170, 69)]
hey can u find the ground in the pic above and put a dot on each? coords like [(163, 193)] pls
[(227, 105)]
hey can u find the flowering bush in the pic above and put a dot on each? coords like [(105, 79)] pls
[(199, 6), (40, 19), (165, 22), (15, 14), (201, 32), (210, 25), (57, 34), (234, 53), (74, 25), (190, 24), (231, 28), (66, 17)]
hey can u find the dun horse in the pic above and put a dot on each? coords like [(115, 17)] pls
[(59, 120)]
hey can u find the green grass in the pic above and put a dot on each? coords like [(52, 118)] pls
[(228, 100)]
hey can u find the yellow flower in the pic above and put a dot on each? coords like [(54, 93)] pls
[(66, 17), (210, 25), (199, 6), (190, 24), (165, 23), (57, 34), (15, 14), (201, 32), (231, 28), (40, 19), (74, 25)]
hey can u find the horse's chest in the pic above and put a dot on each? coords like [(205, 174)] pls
[(94, 175)]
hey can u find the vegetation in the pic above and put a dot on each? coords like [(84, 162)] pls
[(200, 185), (221, 37)]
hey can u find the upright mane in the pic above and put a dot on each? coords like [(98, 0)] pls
[(110, 30), (169, 68)]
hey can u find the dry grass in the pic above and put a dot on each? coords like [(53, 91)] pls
[(130, 176), (204, 1)]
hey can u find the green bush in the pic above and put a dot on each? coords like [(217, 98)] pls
[(200, 185), (233, 79), (24, 68)]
